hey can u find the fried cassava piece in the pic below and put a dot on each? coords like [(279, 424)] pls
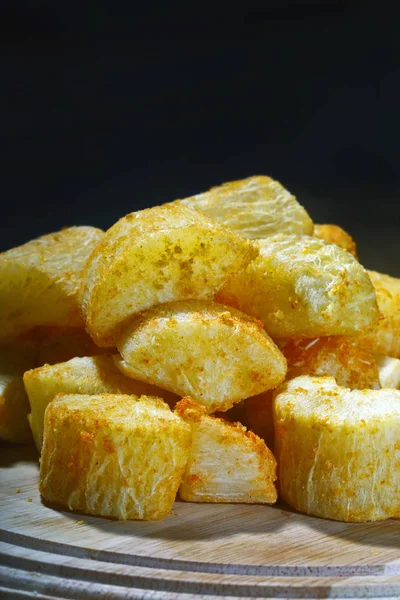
[(35, 348), (88, 375), (301, 287), (386, 338), (255, 207), (157, 255), (338, 450), (346, 359), (213, 353), (14, 404), (226, 462), (113, 456), (336, 235), (40, 281)]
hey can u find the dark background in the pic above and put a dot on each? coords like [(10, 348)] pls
[(108, 108)]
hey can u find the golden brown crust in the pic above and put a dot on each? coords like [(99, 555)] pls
[(113, 455), (211, 352), (336, 235), (166, 253), (190, 410), (345, 359)]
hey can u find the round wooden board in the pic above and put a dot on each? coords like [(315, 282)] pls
[(199, 551)]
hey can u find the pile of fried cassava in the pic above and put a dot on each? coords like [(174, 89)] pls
[(222, 347)]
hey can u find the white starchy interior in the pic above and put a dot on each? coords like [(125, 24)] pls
[(389, 371), (338, 450), (255, 207), (40, 281), (199, 348), (226, 463), (303, 287)]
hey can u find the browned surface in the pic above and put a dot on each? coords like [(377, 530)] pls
[(346, 359), (336, 235)]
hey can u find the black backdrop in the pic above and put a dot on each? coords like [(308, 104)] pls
[(107, 108)]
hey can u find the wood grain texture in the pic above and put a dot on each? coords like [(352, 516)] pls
[(199, 551)]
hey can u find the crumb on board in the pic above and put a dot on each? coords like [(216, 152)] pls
[(18, 492), (29, 499), (80, 522)]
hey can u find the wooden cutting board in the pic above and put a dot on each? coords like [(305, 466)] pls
[(199, 551)]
